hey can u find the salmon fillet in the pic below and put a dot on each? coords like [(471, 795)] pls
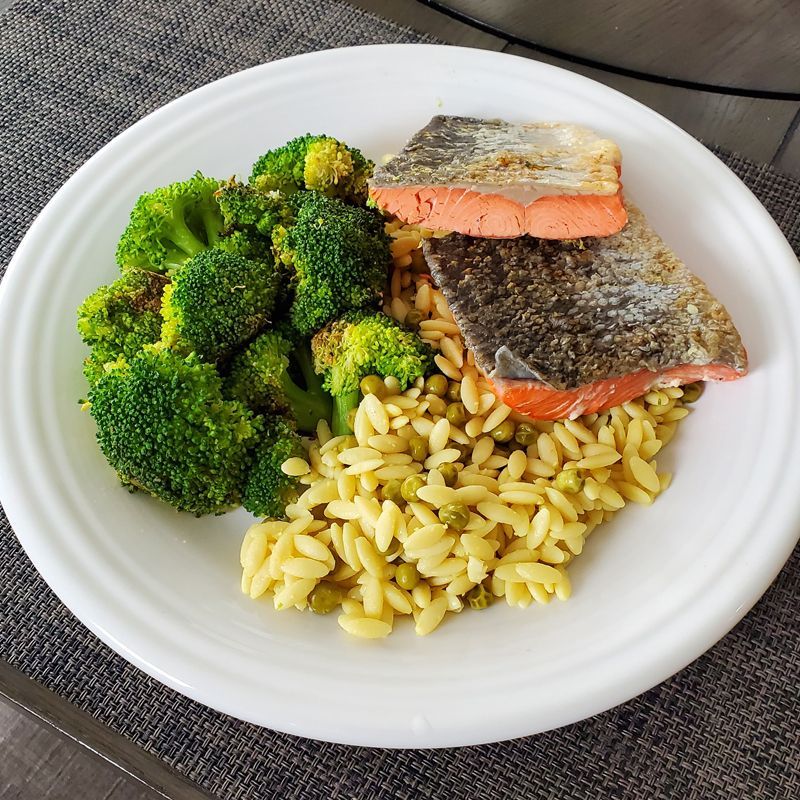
[(568, 328), (500, 179)]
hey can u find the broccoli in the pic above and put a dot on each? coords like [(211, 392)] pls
[(318, 163), (171, 224), (250, 217), (217, 302), (164, 426), (200, 372), (360, 343), (248, 244), (245, 208), (268, 489), (338, 256), (260, 379), (119, 319)]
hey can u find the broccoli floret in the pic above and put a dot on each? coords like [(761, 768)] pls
[(245, 208), (94, 365), (250, 217), (164, 426), (339, 257), (362, 343), (268, 489), (119, 319), (260, 378), (218, 301), (171, 224), (319, 163), (247, 244)]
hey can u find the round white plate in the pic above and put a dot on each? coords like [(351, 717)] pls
[(652, 591)]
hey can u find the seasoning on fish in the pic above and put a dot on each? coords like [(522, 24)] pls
[(504, 179), (569, 328)]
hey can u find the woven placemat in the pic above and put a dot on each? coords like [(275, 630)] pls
[(72, 75)]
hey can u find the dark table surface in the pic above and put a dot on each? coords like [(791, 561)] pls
[(765, 128), (750, 45)]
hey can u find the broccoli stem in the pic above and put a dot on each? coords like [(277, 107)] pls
[(174, 259), (308, 407), (212, 223), (182, 237), (343, 404), (313, 381)]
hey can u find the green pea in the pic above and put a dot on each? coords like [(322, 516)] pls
[(456, 414), (372, 384), (393, 492), (479, 597), (409, 487), (464, 449), (569, 481), (418, 447), (413, 319), (324, 597), (436, 384), (406, 576), (692, 392), (504, 432), (454, 391), (449, 473), (525, 434), (454, 515)]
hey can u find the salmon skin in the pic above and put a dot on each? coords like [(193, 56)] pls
[(502, 179), (568, 328)]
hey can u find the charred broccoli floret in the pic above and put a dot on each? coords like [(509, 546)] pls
[(318, 163), (362, 343), (119, 319), (164, 426), (217, 302)]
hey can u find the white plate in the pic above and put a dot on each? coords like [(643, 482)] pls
[(653, 591)]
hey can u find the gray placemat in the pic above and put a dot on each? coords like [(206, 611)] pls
[(74, 74)]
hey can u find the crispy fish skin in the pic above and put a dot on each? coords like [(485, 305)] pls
[(564, 328), (547, 157), (502, 179)]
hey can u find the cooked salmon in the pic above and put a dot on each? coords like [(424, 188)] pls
[(500, 179), (568, 328)]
